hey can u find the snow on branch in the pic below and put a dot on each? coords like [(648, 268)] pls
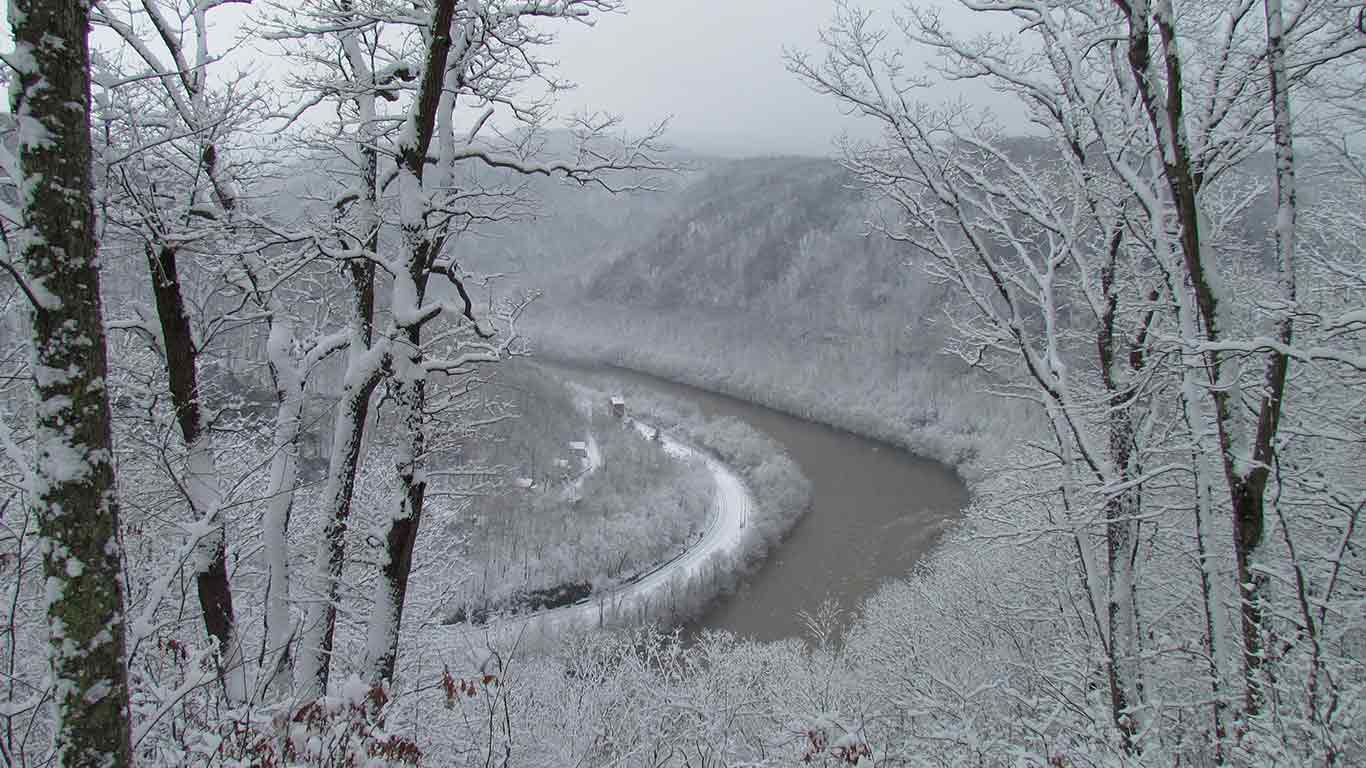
[(1260, 345)]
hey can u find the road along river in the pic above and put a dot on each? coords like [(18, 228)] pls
[(876, 510), (632, 602)]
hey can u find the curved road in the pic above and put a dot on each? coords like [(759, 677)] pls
[(731, 506)]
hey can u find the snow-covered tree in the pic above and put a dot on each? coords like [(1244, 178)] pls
[(432, 100), (170, 194), (50, 250), (1103, 261)]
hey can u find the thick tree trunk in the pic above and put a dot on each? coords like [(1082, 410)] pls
[(73, 480), (361, 377), (410, 386), (1121, 512), (1209, 609), (320, 625)]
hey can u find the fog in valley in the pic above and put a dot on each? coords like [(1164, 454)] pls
[(576, 382)]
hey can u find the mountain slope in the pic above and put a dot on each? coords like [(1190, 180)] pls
[(770, 236)]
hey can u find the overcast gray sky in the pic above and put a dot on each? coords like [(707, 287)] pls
[(715, 66)]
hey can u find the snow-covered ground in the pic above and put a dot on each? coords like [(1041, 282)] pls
[(592, 460), (592, 453), (731, 506)]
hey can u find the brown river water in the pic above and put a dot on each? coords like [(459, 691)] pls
[(876, 510)]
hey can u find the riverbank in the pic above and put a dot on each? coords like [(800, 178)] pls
[(939, 410)]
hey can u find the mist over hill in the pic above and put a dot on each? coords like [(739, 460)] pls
[(778, 237), (761, 277), (752, 233), (769, 278)]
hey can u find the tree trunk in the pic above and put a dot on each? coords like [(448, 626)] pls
[(1209, 609), (201, 484), (1249, 498), (1121, 511), (1245, 476), (362, 375), (284, 477), (73, 480), (1121, 609), (361, 378), (410, 384), (410, 378), (400, 540)]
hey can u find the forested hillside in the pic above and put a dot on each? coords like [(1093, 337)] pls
[(769, 278), (756, 236)]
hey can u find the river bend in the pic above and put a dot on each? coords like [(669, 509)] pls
[(876, 511)]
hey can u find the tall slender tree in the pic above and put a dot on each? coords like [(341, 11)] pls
[(176, 68), (72, 483)]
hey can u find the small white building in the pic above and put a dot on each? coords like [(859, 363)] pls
[(618, 406), (525, 483), (579, 448)]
